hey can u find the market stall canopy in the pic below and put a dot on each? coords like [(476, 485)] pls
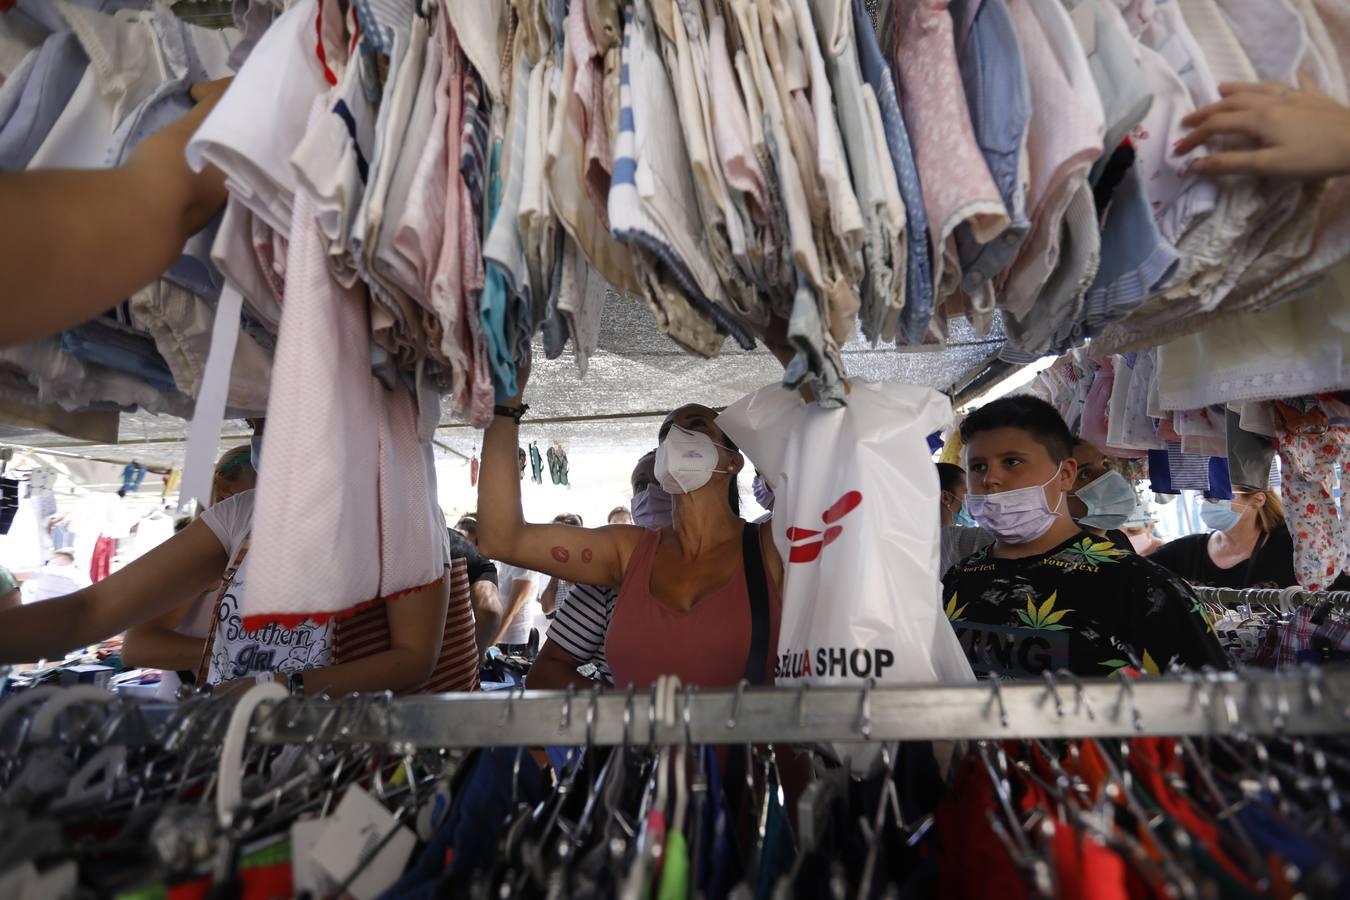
[(636, 375)]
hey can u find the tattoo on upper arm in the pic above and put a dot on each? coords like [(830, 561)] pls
[(561, 554), (587, 555)]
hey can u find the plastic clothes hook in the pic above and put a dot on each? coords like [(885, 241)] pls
[(44, 723), (230, 777)]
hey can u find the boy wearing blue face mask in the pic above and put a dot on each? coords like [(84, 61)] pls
[(1048, 595)]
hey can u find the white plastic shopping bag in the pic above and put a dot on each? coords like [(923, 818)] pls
[(856, 520)]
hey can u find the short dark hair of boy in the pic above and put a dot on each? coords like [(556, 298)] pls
[(1026, 413), (949, 476)]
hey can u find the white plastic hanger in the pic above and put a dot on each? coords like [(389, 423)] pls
[(230, 777), (44, 723)]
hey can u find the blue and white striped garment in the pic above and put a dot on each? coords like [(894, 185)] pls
[(1171, 471), (473, 152), (628, 217), (1136, 260), (918, 309)]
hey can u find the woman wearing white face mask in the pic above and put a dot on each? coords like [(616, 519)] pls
[(700, 598), (1249, 545)]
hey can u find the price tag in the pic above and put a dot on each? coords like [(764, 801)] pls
[(352, 834), (306, 877)]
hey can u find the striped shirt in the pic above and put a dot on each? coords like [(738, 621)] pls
[(473, 139), (367, 633), (582, 624), (667, 223)]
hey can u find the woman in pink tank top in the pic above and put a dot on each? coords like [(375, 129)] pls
[(701, 599)]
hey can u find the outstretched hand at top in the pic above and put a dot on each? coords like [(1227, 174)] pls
[(1297, 133)]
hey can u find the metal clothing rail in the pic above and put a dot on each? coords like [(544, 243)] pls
[(1310, 702), (1286, 599), (1307, 703)]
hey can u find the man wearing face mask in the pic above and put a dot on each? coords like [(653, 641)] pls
[(1048, 595), (577, 636), (1102, 499)]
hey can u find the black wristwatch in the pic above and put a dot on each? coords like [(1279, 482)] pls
[(295, 684)]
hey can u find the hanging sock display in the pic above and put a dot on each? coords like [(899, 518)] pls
[(537, 464), (100, 563), (557, 465), (132, 477)]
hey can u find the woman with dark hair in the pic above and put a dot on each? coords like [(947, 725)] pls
[(952, 481), (700, 599)]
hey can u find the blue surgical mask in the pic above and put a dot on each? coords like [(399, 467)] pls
[(763, 493), (1109, 500), (255, 451), (653, 508), (1219, 515), (964, 518)]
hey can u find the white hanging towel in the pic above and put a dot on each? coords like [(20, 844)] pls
[(315, 551)]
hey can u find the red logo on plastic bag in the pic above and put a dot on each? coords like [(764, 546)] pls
[(810, 552)]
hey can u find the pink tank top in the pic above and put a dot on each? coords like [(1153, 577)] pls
[(706, 646)]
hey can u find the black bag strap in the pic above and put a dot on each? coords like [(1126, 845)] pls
[(757, 587)]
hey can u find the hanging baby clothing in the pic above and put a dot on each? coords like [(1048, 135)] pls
[(1171, 471), (1310, 450)]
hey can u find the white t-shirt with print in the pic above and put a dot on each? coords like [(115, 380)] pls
[(235, 652), (507, 576)]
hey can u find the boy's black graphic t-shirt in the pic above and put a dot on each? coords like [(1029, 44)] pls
[(1086, 606)]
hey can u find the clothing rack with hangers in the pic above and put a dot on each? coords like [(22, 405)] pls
[(1309, 702), (1282, 598), (214, 795)]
